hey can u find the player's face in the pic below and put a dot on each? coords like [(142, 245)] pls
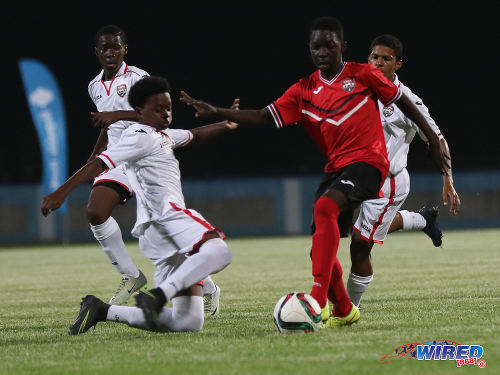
[(157, 112), (110, 51), (384, 58), (326, 50)]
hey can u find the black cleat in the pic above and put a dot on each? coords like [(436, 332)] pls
[(151, 302), (92, 310), (431, 229)]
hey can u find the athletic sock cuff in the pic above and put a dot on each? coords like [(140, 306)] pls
[(104, 230)]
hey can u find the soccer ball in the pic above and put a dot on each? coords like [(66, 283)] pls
[(297, 313)]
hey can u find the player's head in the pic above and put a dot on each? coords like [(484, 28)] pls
[(386, 54), (326, 43), (110, 48), (150, 97)]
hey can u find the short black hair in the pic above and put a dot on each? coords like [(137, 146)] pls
[(110, 29), (328, 23), (389, 41), (146, 87)]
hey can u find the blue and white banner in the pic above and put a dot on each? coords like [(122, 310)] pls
[(47, 111)]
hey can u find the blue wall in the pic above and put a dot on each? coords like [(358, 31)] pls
[(242, 207)]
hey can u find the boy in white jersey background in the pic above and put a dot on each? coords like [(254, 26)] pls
[(378, 217), (109, 92), (183, 246)]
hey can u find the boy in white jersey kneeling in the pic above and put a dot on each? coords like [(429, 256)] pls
[(182, 245)]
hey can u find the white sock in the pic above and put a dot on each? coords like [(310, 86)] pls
[(109, 236), (186, 314), (208, 286), (356, 287), (412, 220), (212, 257)]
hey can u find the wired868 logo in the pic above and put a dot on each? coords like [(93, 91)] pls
[(438, 350)]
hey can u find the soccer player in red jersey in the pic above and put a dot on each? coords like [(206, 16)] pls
[(337, 105)]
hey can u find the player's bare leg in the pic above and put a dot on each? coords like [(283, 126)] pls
[(101, 203)]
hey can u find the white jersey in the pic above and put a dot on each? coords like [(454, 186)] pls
[(113, 96), (152, 170), (399, 130)]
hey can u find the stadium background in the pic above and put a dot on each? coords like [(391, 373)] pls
[(217, 52)]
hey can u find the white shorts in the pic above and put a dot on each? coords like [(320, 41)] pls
[(376, 215), (170, 241), (117, 175)]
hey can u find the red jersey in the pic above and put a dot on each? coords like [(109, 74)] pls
[(342, 114)]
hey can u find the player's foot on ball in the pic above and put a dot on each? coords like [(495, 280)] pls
[(431, 229), (335, 321), (92, 310), (211, 303), (151, 302), (326, 312), (127, 287)]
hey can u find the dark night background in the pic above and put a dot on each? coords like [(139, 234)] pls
[(254, 51)]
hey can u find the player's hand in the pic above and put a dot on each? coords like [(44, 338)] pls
[(450, 195), (51, 202), (202, 109), (439, 157), (103, 119), (236, 106)]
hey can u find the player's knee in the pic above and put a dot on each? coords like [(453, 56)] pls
[(95, 215), (217, 250), (324, 209)]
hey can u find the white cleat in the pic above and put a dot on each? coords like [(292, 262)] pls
[(211, 302), (127, 287)]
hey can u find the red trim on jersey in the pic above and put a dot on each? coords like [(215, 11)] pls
[(391, 200), (111, 180), (108, 91), (111, 161)]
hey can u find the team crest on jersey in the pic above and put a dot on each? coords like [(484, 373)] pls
[(121, 90), (348, 84), (388, 111)]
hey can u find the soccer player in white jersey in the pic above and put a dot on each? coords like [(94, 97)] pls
[(182, 245), (380, 216), (109, 92)]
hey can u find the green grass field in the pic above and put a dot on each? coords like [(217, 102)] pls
[(420, 293)]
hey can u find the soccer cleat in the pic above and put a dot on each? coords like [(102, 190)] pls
[(211, 303), (151, 302), (431, 229), (92, 310), (336, 321), (127, 287), (326, 312)]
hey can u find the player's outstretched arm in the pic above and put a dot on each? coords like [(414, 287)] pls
[(449, 192), (205, 133), (436, 152), (105, 119), (54, 200), (246, 116)]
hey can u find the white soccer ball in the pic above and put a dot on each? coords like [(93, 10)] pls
[(297, 313)]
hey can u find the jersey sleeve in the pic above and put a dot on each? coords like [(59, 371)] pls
[(385, 91), (286, 109), (133, 145), (180, 137), (425, 112)]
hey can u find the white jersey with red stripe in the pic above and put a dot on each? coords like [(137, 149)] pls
[(113, 96), (152, 170), (376, 215), (399, 130)]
